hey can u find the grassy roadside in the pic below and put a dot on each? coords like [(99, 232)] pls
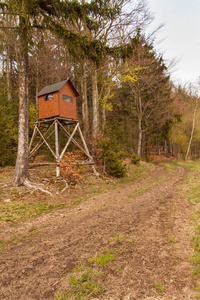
[(190, 190), (19, 204)]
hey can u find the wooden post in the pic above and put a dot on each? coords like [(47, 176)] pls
[(39, 145), (32, 138), (73, 140), (57, 150), (46, 142), (87, 151)]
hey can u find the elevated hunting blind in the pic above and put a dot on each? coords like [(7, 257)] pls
[(57, 114), (58, 100)]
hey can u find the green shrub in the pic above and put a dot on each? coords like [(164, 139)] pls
[(122, 154), (114, 165), (135, 159)]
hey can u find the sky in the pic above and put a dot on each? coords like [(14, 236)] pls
[(179, 39)]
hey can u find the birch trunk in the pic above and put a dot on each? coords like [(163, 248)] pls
[(193, 127), (95, 104), (21, 167)]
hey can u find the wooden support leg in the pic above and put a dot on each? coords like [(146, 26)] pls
[(67, 134), (39, 145), (32, 138), (69, 140), (57, 150), (41, 141), (56, 153), (87, 151), (48, 145)]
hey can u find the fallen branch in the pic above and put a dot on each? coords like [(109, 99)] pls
[(66, 186)]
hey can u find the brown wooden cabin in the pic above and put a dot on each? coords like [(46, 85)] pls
[(58, 99)]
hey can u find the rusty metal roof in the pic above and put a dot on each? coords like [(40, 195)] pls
[(56, 87)]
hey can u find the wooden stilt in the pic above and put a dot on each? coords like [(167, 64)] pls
[(32, 138), (87, 151), (41, 141), (39, 145), (57, 150), (67, 134), (57, 124), (46, 142)]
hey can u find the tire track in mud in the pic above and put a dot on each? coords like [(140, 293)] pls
[(150, 212)]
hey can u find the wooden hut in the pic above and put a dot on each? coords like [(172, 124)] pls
[(58, 100)]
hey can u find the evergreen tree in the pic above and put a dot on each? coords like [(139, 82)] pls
[(146, 87)]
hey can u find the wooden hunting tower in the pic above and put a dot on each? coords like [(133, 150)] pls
[(57, 113), (58, 100)]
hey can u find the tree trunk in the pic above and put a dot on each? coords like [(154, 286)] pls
[(37, 82), (192, 131), (139, 145), (104, 110), (84, 100), (8, 72), (165, 147), (170, 148), (8, 56), (21, 167), (95, 103), (103, 116), (146, 148), (158, 148)]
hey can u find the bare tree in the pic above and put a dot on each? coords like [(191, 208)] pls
[(193, 127), (148, 89)]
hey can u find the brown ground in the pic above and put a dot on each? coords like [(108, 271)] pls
[(154, 229)]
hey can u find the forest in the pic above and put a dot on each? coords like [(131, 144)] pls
[(133, 231), (128, 103)]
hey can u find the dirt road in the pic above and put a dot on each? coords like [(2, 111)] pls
[(146, 226)]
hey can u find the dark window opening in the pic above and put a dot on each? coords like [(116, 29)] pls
[(48, 97), (67, 98)]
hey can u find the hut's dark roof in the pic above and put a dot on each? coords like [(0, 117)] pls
[(56, 87)]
